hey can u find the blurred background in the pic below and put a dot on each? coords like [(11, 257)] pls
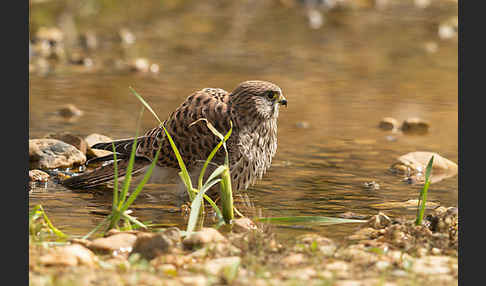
[(343, 65)]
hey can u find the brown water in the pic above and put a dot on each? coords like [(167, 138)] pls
[(360, 66)]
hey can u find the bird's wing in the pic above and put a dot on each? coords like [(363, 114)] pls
[(194, 142), (105, 174)]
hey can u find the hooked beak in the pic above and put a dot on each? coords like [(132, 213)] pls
[(282, 100)]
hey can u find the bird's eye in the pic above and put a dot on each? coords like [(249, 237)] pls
[(271, 94)]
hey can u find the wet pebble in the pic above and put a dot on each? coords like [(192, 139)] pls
[(38, 176), (79, 58), (431, 47), (388, 123), (379, 221), (372, 186), (448, 29), (415, 126), (126, 36), (302, 124), (53, 153), (413, 165), (244, 224), (118, 243), (143, 65), (70, 110), (409, 204)]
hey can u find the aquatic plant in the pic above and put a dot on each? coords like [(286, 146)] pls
[(39, 223), (423, 194), (121, 200)]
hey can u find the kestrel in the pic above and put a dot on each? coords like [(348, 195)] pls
[(252, 107)]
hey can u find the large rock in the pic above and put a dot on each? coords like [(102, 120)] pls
[(413, 165), (53, 153), (71, 139)]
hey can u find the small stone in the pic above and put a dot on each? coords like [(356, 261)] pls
[(364, 233), (126, 36), (150, 245), (88, 40), (446, 32), (431, 47), (415, 126), (382, 265), (52, 35), (53, 153), (433, 265), (219, 265), (167, 269), (293, 259), (69, 255), (154, 68), (203, 237), (379, 221), (71, 139), (198, 280), (70, 110), (388, 123), (120, 242), (422, 3), (372, 186), (243, 224), (38, 176), (316, 19), (302, 124), (337, 266), (140, 65)]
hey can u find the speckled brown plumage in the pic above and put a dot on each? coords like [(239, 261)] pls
[(252, 107)]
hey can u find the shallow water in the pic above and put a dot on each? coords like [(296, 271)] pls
[(340, 80)]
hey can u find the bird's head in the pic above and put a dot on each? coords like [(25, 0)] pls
[(262, 98)]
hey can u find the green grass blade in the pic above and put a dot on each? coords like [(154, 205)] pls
[(214, 206), (423, 194), (226, 196), (56, 231), (105, 221), (144, 103), (128, 174), (145, 179), (196, 206), (134, 220), (185, 174)]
